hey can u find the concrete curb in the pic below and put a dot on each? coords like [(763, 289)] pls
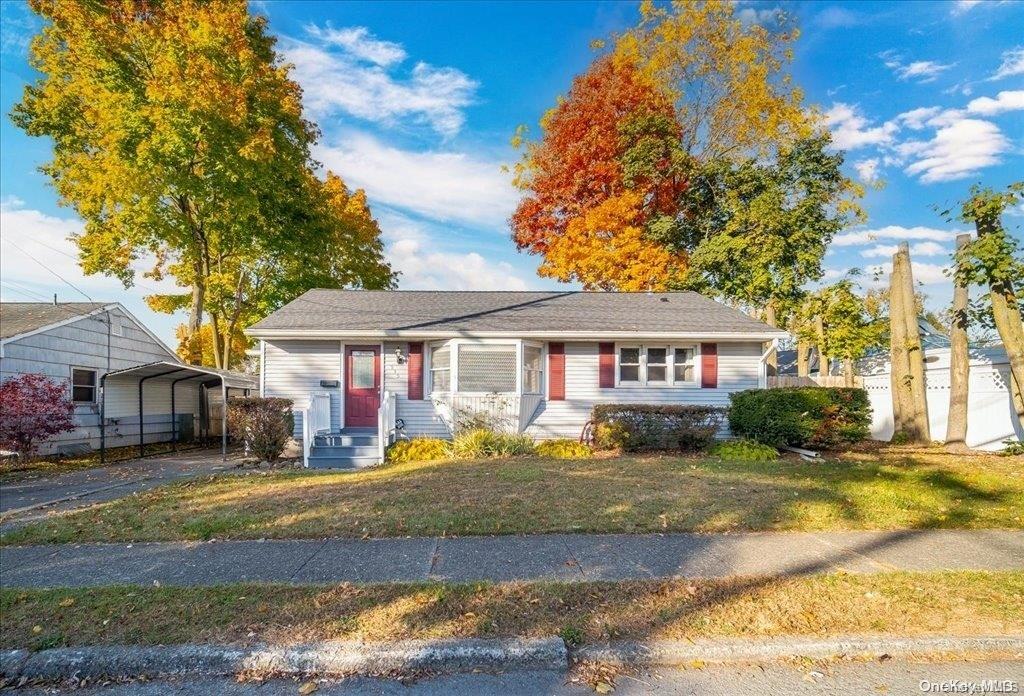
[(674, 653), (335, 658)]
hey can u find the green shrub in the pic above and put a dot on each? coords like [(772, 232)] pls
[(482, 443), (563, 449), (801, 416), (1012, 448), (421, 449), (634, 427), (745, 451), (262, 424)]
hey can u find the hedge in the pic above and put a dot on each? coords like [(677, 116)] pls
[(801, 416), (634, 427), (263, 424)]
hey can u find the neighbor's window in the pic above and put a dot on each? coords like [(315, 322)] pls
[(629, 364), (83, 385), (440, 369), (487, 367), (684, 369), (532, 369)]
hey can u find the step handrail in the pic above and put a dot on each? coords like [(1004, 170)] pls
[(385, 423), (307, 436)]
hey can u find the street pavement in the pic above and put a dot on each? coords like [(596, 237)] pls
[(508, 558), (894, 677)]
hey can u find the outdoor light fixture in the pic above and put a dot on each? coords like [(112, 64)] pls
[(399, 356)]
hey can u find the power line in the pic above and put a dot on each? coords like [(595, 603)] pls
[(50, 270)]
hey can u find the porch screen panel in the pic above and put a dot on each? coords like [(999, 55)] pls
[(487, 368)]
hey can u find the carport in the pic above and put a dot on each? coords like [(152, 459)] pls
[(153, 397)]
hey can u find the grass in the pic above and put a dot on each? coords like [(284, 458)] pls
[(906, 604), (51, 465), (887, 488)]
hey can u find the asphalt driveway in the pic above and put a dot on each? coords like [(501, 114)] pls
[(34, 499)]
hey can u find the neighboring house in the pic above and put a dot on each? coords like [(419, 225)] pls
[(357, 362), (76, 343)]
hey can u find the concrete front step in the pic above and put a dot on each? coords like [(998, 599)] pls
[(336, 462), (345, 440), (344, 451)]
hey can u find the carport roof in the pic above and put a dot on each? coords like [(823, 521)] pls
[(173, 370)]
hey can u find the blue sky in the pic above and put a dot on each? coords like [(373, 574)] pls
[(418, 101)]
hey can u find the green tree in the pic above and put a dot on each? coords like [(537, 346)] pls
[(178, 134)]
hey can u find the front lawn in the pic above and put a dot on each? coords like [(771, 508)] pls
[(901, 604), (889, 488)]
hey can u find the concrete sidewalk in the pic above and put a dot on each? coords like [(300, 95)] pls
[(546, 557)]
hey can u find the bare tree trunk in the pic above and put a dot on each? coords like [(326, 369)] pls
[(959, 365), (899, 371), (819, 327), (1008, 324), (920, 431), (215, 339), (848, 372), (803, 362)]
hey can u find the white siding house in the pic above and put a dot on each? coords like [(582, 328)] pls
[(361, 364), (77, 343)]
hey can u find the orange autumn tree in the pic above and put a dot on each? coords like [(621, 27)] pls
[(604, 187), (581, 210)]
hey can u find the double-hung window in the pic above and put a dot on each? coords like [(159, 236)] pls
[(656, 365), (440, 369), (83, 385)]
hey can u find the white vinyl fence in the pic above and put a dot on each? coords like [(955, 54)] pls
[(991, 417)]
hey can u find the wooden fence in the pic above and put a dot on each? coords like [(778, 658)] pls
[(781, 381)]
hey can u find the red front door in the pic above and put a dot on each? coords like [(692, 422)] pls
[(362, 386)]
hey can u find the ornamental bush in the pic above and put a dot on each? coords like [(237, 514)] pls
[(745, 451), (635, 427), (482, 443), (801, 416), (563, 449), (33, 408), (263, 425), (420, 449)]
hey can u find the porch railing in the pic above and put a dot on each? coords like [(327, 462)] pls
[(386, 419), (504, 412)]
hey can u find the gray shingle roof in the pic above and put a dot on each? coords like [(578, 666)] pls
[(21, 317), (435, 312)]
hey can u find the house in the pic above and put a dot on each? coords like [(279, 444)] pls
[(363, 365), (115, 369)]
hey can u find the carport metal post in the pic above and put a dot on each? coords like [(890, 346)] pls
[(142, 422), (174, 417), (223, 420), (103, 418)]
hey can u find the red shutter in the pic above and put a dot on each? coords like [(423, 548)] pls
[(709, 365), (556, 371), (606, 364), (415, 365)]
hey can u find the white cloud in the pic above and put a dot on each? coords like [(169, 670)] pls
[(446, 186), (924, 273), (962, 6), (360, 43), (920, 71), (1004, 101), (336, 79), (919, 249), (1013, 64), (861, 237), (850, 129), (836, 17), (957, 151), (867, 169), (33, 239), (435, 270), (916, 119)]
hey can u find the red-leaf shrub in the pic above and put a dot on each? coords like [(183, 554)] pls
[(33, 408)]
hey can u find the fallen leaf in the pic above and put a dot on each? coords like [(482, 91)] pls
[(67, 602), (603, 688), (307, 688), (37, 629)]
